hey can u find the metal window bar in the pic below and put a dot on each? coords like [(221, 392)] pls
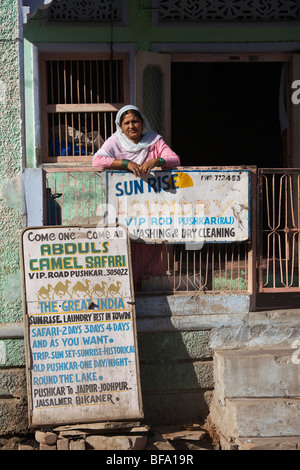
[(214, 268), (74, 197), (67, 140), (279, 266), (83, 97)]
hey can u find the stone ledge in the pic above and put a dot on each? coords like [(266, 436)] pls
[(256, 373), (256, 417)]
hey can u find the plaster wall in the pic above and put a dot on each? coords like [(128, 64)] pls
[(11, 203), (12, 379)]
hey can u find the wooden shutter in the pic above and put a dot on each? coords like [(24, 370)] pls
[(153, 90)]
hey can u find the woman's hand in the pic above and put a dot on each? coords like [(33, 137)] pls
[(135, 168), (146, 167)]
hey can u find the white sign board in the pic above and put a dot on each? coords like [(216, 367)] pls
[(181, 206), (80, 326)]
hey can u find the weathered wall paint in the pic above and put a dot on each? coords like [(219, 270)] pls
[(140, 29), (12, 353), (176, 375), (13, 408), (2, 93), (11, 205)]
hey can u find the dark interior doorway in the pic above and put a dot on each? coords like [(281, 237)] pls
[(227, 114)]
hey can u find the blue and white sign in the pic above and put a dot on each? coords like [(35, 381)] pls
[(80, 330), (181, 206)]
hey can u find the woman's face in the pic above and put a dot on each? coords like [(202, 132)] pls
[(132, 127)]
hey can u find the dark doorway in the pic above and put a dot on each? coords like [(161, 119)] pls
[(227, 114)]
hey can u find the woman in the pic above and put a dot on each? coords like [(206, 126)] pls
[(135, 147)]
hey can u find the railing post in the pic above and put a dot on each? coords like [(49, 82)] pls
[(252, 255)]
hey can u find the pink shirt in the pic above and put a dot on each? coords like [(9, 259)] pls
[(158, 150), (145, 258)]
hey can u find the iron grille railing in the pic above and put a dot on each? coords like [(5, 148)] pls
[(73, 197), (214, 268)]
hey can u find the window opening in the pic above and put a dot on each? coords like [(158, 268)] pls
[(227, 114), (82, 98)]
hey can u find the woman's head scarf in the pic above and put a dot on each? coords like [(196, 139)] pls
[(136, 152)]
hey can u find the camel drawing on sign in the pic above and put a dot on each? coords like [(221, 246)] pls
[(81, 288), (114, 288), (99, 289), (62, 288), (44, 292)]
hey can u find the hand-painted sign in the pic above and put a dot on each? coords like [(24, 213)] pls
[(80, 325), (177, 206)]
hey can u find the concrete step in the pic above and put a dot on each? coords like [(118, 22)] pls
[(256, 417), (261, 443), (260, 330), (256, 373), (269, 443)]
